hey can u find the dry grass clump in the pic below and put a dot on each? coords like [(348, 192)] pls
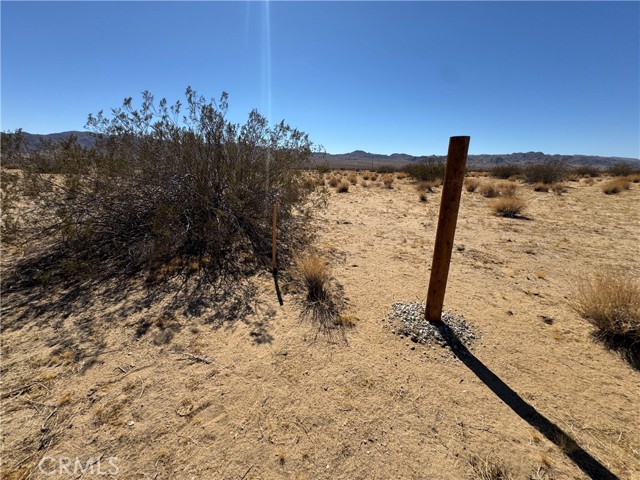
[(353, 178), (343, 187), (541, 187), (333, 182), (508, 206), (374, 177), (387, 181), (616, 186), (634, 178), (507, 189), (366, 176), (401, 175), (314, 276), (471, 184), (488, 469), (364, 183), (558, 188), (423, 197), (489, 190), (610, 300)]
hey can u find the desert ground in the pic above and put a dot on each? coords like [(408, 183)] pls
[(119, 387)]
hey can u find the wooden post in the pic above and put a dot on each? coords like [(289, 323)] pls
[(449, 206), (274, 264)]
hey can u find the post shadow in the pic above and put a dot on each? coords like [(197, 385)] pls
[(583, 459)]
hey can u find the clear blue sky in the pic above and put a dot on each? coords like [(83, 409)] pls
[(385, 77)]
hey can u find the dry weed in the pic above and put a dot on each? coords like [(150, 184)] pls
[(343, 187), (488, 469), (507, 189), (610, 300), (489, 190), (314, 276), (508, 206), (541, 187), (471, 184), (616, 185)]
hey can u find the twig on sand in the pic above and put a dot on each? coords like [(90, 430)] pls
[(247, 472), (200, 359)]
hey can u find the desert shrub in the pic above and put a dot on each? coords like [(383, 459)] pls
[(506, 171), (383, 169), (387, 181), (622, 169), (364, 183), (343, 187), (401, 175), (422, 197), (545, 172), (10, 185), (610, 301), (427, 171), (507, 189), (365, 176), (471, 184), (541, 187), (508, 206), (353, 178), (322, 169), (635, 178), (374, 177), (489, 190), (333, 182), (164, 183), (558, 188), (616, 185), (587, 171)]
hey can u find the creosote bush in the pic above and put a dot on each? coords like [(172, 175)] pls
[(506, 171), (168, 182), (545, 172), (426, 171)]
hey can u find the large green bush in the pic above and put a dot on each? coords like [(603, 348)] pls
[(173, 184)]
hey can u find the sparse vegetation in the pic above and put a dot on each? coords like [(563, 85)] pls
[(610, 300), (343, 187), (558, 188), (488, 189), (507, 189), (427, 171), (489, 469), (616, 185), (541, 187), (506, 171), (546, 172), (471, 184), (314, 276), (508, 206), (387, 181)]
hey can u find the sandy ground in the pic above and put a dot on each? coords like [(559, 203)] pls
[(121, 389)]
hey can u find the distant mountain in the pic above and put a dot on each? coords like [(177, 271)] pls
[(361, 159), (33, 141)]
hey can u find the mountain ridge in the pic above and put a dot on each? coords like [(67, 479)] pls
[(363, 159)]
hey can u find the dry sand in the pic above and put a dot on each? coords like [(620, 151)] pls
[(105, 379)]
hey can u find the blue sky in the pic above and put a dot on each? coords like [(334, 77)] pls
[(385, 77)]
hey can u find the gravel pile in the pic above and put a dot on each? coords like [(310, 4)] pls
[(414, 326)]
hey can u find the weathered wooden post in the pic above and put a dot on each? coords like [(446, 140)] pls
[(274, 263), (449, 206)]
